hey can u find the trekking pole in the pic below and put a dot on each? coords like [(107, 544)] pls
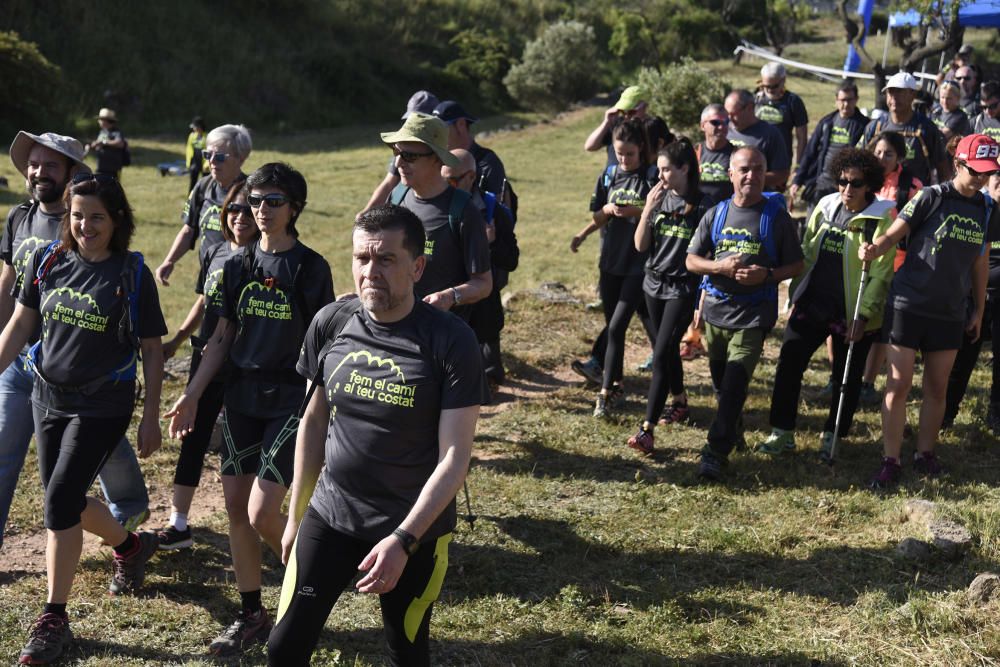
[(469, 516), (830, 457)]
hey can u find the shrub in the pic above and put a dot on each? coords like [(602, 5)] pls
[(556, 69), (483, 58), (31, 87), (680, 91)]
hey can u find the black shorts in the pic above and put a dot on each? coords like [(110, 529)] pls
[(262, 447), (921, 333)]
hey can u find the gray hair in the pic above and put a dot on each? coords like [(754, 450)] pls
[(752, 150), (237, 136), (772, 71), (713, 109)]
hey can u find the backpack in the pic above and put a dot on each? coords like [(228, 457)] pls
[(492, 201), (130, 279), (19, 214), (775, 201), (918, 134), (459, 199)]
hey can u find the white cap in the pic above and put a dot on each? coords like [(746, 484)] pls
[(902, 80)]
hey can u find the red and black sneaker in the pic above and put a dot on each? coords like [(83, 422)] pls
[(677, 413), (642, 441), (49, 637)]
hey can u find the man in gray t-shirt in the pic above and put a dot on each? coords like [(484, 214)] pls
[(744, 247), (748, 130)]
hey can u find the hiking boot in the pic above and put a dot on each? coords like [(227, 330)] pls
[(246, 630), (170, 538), (132, 523), (601, 407), (130, 569), (826, 445), (711, 465), (642, 442), (887, 478), (779, 442), (49, 637), (616, 397), (869, 396), (590, 369), (927, 464), (677, 413), (646, 366)]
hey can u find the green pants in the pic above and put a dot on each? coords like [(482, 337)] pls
[(732, 357)]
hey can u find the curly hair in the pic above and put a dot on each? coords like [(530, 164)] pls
[(862, 160)]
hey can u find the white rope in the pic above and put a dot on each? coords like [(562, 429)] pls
[(814, 69)]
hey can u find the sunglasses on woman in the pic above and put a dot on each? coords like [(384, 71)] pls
[(274, 200), (215, 156), (238, 209), (84, 176), (853, 182)]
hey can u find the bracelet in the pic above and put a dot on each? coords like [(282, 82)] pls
[(456, 295)]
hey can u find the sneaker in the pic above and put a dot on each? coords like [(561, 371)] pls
[(170, 538), (616, 396), (869, 396), (49, 637), (927, 464), (642, 442), (132, 523), (677, 413), (246, 630), (646, 366), (711, 465), (601, 407), (590, 369), (130, 571), (887, 478), (779, 442), (826, 445)]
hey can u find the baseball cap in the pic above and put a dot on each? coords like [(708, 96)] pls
[(60, 143), (422, 101), (903, 80), (631, 97), (428, 130), (979, 151), (449, 111)]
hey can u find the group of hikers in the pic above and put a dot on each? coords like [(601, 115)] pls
[(373, 459), (363, 409), (898, 254)]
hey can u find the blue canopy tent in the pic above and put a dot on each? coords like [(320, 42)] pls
[(974, 14)]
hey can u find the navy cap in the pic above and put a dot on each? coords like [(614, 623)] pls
[(422, 101), (449, 111)]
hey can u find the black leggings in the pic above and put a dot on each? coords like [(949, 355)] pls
[(803, 336), (71, 452), (966, 360), (620, 296), (195, 444), (323, 563), (672, 317)]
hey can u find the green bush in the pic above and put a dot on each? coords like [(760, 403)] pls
[(483, 60), (556, 69), (680, 91), (31, 88)]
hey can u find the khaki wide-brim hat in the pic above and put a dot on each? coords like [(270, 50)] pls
[(107, 114), (60, 143), (428, 130)]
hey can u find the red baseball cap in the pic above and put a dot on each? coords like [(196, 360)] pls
[(979, 152)]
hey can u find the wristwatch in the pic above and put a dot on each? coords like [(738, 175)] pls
[(409, 542), (456, 296), (770, 273)]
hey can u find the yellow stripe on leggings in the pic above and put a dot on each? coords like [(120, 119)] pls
[(288, 583), (418, 608)]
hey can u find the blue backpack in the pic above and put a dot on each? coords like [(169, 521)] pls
[(131, 275), (775, 202)]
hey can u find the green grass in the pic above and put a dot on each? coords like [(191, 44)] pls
[(582, 552)]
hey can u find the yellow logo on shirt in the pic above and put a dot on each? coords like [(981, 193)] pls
[(382, 389), (259, 300), (63, 311)]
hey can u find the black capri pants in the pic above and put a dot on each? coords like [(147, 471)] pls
[(323, 563), (71, 452), (195, 444)]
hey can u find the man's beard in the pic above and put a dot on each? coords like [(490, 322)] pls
[(48, 196)]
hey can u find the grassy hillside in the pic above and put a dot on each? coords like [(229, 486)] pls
[(583, 552)]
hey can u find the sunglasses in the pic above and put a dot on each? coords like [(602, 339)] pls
[(410, 156), (455, 180), (238, 209), (215, 156), (83, 177), (773, 86), (274, 200), (719, 123), (992, 105), (853, 182), (963, 78), (982, 174)]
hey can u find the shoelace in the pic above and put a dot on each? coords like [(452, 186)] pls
[(44, 628)]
